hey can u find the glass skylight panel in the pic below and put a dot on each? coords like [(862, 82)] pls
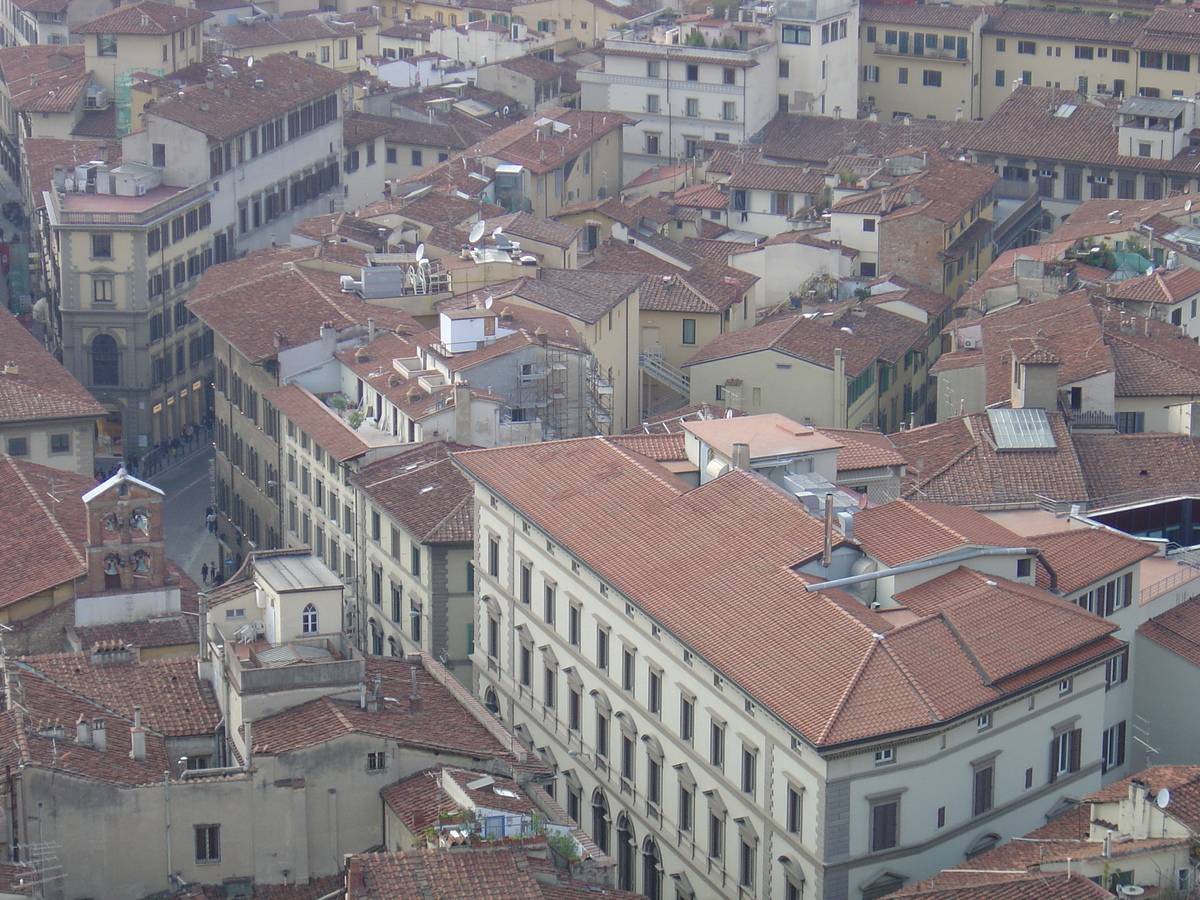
[(1021, 429)]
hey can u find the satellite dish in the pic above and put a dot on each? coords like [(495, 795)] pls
[(1162, 798), (1130, 890), (1187, 206), (249, 62), (420, 252), (497, 231), (487, 304), (476, 232)]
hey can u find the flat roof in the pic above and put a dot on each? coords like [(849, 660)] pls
[(300, 572), (769, 435)]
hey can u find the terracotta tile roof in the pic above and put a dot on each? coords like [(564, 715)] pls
[(1063, 24), (1091, 219), (318, 421), (174, 700), (1162, 364), (851, 676), (43, 154), (484, 872), (97, 123), (768, 177), (535, 228), (283, 31), (42, 389), (816, 139), (47, 536), (1125, 467), (1083, 556), (960, 17), (47, 78), (358, 128), (160, 631), (798, 337), (893, 333), (1177, 630), (288, 82), (342, 225), (147, 17), (30, 736), (518, 144), (424, 491), (443, 724), (700, 289), (863, 449), (904, 531), (1159, 286), (242, 301), (1182, 781), (702, 196), (657, 173), (956, 462), (658, 447), (540, 70), (582, 295), (715, 249)]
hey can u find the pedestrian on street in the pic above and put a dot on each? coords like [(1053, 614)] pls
[(204, 573), (211, 519)]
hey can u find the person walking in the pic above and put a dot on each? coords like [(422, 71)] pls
[(211, 519), (204, 573)]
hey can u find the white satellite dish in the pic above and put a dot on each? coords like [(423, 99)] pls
[(476, 232), (420, 252), (249, 62), (487, 304), (1187, 206), (1130, 890), (1162, 798), (497, 231)]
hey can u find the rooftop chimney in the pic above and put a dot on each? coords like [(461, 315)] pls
[(415, 703), (827, 554), (741, 457), (137, 737), (99, 738), (83, 731)]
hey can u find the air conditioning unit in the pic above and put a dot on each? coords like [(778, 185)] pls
[(140, 189), (970, 343)]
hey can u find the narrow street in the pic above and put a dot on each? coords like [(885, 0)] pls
[(189, 489)]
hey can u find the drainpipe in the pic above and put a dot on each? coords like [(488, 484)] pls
[(941, 561)]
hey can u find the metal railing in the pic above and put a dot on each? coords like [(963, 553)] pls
[(653, 363)]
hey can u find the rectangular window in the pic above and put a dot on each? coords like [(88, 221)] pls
[(652, 103), (18, 446), (1116, 670), (60, 443), (716, 745), (550, 681), (796, 34), (627, 763), (784, 68), (687, 719), (574, 617), (654, 692), (885, 816), (102, 246), (729, 111), (602, 734), (102, 290), (794, 810), (1120, 56), (1027, 47), (1113, 748), (1000, 45), (1151, 59), (602, 638), (902, 75), (526, 586), (377, 761), (691, 107), (687, 806), (871, 74), (746, 865), (574, 708), (493, 556), (1065, 752), (652, 68), (627, 669), (729, 75), (984, 787), (1084, 52), (550, 597), (931, 78), (716, 836), (1000, 79), (749, 770), (693, 72), (1179, 62), (208, 843), (652, 144)]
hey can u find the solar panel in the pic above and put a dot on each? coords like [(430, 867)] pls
[(1021, 429)]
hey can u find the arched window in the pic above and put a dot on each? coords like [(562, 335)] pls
[(308, 620), (600, 820), (491, 701), (393, 647), (105, 360), (651, 870), (626, 853)]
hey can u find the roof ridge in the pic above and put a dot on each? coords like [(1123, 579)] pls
[(74, 693), (850, 686), (671, 481), (913, 682), (965, 647)]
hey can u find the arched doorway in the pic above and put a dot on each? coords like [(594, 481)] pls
[(626, 853), (600, 821), (651, 870)]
